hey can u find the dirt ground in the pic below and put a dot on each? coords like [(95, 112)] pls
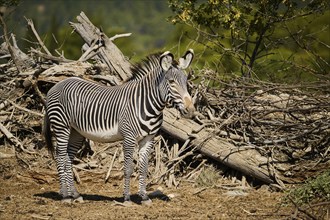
[(32, 194)]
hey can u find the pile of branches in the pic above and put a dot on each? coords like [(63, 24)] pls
[(289, 123), (25, 80)]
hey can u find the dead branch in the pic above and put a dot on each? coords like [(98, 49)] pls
[(109, 54), (30, 23), (18, 145), (119, 36), (9, 46), (25, 109), (111, 165), (50, 57)]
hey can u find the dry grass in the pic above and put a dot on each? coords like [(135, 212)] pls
[(208, 177)]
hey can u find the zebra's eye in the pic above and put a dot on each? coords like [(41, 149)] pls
[(171, 81)]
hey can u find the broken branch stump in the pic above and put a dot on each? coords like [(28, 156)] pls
[(109, 54)]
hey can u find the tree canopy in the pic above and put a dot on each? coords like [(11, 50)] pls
[(255, 37), (277, 40)]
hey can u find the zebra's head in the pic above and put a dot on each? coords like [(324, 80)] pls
[(174, 90)]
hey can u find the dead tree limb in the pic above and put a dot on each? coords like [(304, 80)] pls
[(30, 23), (20, 59), (9, 46), (109, 53), (18, 145)]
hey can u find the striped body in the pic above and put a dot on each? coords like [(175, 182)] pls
[(104, 113), (78, 109)]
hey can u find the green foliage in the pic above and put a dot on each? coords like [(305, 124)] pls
[(314, 189), (268, 39)]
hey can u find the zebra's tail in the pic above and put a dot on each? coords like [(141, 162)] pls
[(48, 135)]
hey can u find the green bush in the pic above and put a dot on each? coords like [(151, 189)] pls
[(317, 189)]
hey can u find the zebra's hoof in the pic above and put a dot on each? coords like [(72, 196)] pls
[(147, 202), (78, 200)]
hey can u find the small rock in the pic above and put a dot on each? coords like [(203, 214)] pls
[(172, 195)]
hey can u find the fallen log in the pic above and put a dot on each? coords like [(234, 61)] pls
[(244, 159)]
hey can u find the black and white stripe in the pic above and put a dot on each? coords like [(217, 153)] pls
[(132, 112)]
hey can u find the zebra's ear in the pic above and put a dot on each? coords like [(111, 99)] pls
[(166, 60), (186, 60)]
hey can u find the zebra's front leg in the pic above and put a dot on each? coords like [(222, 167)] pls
[(145, 145), (129, 145)]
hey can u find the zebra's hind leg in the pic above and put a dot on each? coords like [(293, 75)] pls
[(128, 145), (62, 138), (75, 143), (145, 146)]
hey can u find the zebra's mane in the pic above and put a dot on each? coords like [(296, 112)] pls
[(145, 67)]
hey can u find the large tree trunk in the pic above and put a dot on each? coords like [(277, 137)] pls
[(245, 159)]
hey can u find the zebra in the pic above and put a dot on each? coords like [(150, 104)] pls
[(77, 109)]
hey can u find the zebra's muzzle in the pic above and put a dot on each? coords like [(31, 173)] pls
[(188, 110)]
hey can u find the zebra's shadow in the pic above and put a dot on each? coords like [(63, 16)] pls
[(87, 197), (93, 197)]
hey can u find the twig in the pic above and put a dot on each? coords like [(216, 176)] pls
[(111, 165), (109, 145), (191, 173), (36, 89), (93, 47), (76, 175), (30, 23), (10, 136), (200, 190), (4, 155), (181, 157), (51, 57), (36, 216), (87, 170), (25, 109), (169, 163), (302, 210), (119, 36), (13, 139)]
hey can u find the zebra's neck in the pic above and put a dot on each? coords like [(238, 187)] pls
[(148, 103), (151, 97)]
